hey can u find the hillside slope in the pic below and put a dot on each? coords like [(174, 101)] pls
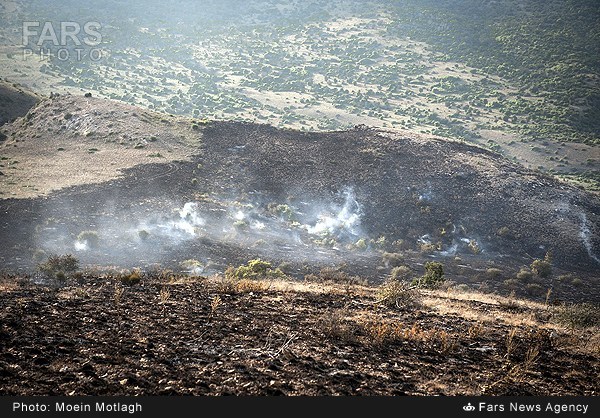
[(145, 188), (15, 101)]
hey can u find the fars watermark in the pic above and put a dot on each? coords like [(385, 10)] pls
[(62, 40)]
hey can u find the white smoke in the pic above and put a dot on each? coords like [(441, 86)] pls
[(311, 229), (585, 235), (449, 251), (189, 220), (81, 245), (339, 220)]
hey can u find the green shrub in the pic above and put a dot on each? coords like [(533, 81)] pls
[(59, 266), (39, 255), (380, 242), (474, 247), (493, 273), (89, 237), (361, 244), (578, 315), (400, 273), (254, 269), (542, 268), (392, 259), (512, 283), (577, 282), (282, 210), (524, 274), (433, 277), (534, 289)]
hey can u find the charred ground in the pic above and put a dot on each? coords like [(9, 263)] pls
[(363, 200), (168, 335), (173, 202)]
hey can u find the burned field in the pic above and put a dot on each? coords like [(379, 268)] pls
[(211, 336), (154, 308), (366, 200)]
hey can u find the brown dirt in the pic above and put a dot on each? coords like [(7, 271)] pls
[(204, 336), (72, 140)]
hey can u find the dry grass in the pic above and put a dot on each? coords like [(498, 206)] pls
[(46, 168), (493, 308)]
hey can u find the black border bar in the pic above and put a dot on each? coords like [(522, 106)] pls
[(147, 406)]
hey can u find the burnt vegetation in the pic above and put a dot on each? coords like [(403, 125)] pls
[(252, 332), (378, 199)]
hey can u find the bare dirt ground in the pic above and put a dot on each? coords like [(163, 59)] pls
[(170, 335), (70, 140)]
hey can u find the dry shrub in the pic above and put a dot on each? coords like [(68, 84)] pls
[(334, 275), (395, 293), (247, 285), (129, 278), (229, 283), (475, 331), (335, 326), (59, 266), (381, 334)]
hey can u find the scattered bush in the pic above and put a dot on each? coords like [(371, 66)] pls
[(578, 315), (130, 278), (474, 247), (361, 244), (392, 259), (253, 270), (39, 255), (241, 225), (400, 273), (143, 234), (192, 266), (512, 283), (524, 274), (493, 273), (401, 245), (59, 266), (285, 267), (535, 289), (395, 293), (248, 285), (282, 210), (433, 277), (90, 238), (428, 248), (334, 275), (461, 287), (380, 242), (503, 231), (334, 325), (542, 268)]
